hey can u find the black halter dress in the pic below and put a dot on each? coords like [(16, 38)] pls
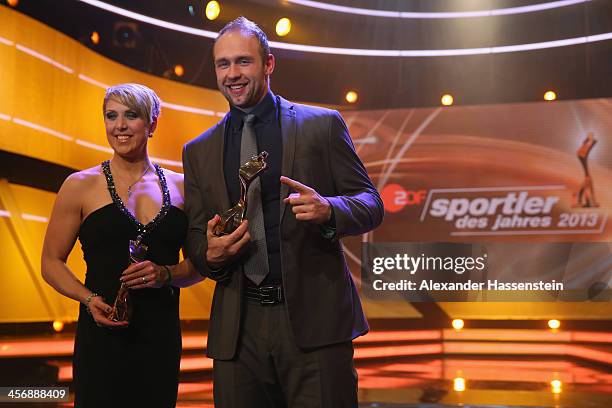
[(137, 366)]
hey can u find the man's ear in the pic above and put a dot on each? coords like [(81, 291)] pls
[(269, 65)]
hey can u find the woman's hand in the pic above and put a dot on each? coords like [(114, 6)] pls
[(144, 275), (100, 310)]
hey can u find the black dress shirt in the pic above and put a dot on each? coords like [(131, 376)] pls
[(269, 138)]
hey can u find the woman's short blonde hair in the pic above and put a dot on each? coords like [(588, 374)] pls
[(141, 99)]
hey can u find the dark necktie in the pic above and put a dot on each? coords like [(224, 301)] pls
[(256, 264)]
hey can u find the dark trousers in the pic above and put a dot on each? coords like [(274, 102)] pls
[(270, 371)]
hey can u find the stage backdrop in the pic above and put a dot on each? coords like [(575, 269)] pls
[(51, 93), (530, 183), (507, 174)]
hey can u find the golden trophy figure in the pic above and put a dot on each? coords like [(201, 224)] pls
[(585, 197), (122, 307), (231, 219)]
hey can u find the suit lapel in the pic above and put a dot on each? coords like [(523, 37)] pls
[(289, 134), (216, 170)]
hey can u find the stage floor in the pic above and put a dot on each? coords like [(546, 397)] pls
[(436, 383), (397, 369)]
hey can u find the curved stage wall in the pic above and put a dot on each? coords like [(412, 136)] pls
[(50, 109)]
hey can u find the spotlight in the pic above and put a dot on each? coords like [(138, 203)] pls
[(283, 26), (12, 3), (191, 10), (351, 96), (457, 324), (58, 326), (550, 96), (179, 70), (554, 324), (447, 99), (95, 38), (555, 386), (459, 384), (213, 9)]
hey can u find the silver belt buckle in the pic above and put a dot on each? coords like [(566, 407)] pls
[(265, 292)]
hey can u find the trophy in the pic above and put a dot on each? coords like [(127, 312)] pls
[(122, 307), (585, 196), (231, 219)]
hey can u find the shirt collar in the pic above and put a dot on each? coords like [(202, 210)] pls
[(265, 111)]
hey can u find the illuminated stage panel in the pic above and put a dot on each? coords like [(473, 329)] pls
[(402, 374), (188, 364), (528, 310), (386, 309), (22, 238), (523, 370), (488, 348), (44, 303), (509, 335), (528, 335), (196, 300), (36, 348), (395, 351), (493, 382), (45, 346), (53, 89), (414, 335)]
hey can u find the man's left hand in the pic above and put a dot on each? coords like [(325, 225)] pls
[(306, 203)]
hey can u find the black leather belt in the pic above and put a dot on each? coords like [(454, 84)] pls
[(266, 295)]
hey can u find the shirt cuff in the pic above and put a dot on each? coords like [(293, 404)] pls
[(328, 230)]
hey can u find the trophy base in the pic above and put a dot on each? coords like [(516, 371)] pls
[(121, 306)]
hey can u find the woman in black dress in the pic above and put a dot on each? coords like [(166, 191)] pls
[(126, 199)]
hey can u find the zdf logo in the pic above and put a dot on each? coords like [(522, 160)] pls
[(395, 197)]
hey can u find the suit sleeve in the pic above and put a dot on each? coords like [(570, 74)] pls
[(357, 205), (195, 243)]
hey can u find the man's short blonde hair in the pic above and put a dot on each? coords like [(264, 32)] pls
[(139, 98)]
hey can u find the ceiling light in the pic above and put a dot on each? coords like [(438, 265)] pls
[(351, 96), (213, 9), (179, 70), (457, 324), (447, 99), (283, 27), (555, 386), (451, 14), (95, 38), (459, 384), (363, 52), (550, 96)]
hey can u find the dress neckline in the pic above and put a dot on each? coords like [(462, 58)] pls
[(143, 229)]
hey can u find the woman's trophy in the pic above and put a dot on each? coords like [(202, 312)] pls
[(122, 307), (231, 219)]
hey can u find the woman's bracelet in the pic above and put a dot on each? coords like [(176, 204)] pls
[(169, 280), (88, 299)]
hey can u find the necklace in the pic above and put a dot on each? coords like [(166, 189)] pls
[(129, 189), (142, 229)]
